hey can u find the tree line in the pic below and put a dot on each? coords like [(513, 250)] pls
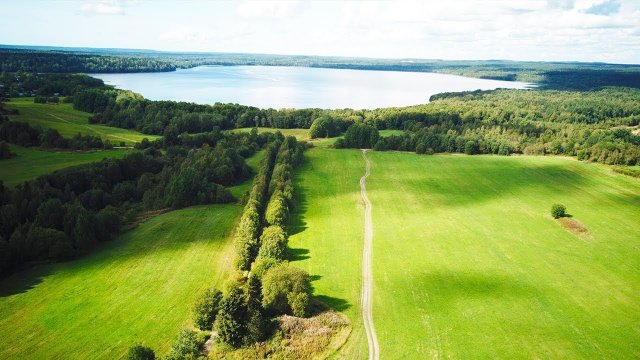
[(268, 286), (12, 60), (23, 134), (547, 75), (593, 125), (23, 83)]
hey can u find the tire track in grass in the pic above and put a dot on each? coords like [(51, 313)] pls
[(93, 129), (366, 301)]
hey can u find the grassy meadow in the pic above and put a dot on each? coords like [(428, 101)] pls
[(29, 163), (69, 122), (140, 288), (468, 262), (326, 234), (300, 134)]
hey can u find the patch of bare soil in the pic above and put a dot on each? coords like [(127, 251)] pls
[(574, 226)]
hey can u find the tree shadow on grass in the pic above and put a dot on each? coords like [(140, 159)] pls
[(321, 303), (451, 287), (23, 280), (297, 223), (298, 254), (493, 178)]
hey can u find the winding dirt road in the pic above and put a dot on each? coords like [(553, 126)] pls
[(367, 278)]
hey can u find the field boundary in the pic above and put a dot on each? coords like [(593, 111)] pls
[(367, 277)]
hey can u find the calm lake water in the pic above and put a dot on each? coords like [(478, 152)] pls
[(297, 87)]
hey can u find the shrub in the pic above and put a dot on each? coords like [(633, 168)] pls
[(299, 303), (323, 126), (273, 243), (284, 288), (140, 352), (360, 136), (206, 309), (277, 211), (262, 264), (558, 211), (187, 346)]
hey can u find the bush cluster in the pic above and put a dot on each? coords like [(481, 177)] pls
[(558, 211), (359, 136)]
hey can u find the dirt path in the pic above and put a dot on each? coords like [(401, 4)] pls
[(367, 278)]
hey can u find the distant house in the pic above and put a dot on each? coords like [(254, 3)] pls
[(56, 94)]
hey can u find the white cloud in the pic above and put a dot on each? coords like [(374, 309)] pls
[(103, 7), (184, 34), (256, 9), (450, 29)]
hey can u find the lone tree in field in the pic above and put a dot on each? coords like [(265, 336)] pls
[(558, 211)]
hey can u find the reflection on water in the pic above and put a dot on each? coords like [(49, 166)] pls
[(298, 87)]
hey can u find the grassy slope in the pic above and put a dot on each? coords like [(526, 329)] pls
[(327, 234), (467, 261), (68, 121), (31, 163), (327, 142), (300, 134), (137, 289)]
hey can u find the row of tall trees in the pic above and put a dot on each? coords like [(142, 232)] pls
[(272, 287), (242, 316)]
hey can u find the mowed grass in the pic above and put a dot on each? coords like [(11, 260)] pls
[(326, 234), (300, 134), (467, 261), (31, 163), (69, 122), (328, 142), (139, 288)]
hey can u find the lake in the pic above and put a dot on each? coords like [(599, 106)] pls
[(298, 87)]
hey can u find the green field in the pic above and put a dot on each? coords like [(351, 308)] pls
[(139, 288), (467, 261), (300, 134), (69, 122), (303, 134), (31, 163), (327, 142), (326, 233)]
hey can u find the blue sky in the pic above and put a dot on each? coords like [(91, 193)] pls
[(582, 30)]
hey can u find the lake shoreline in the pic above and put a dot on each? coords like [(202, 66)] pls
[(298, 87)]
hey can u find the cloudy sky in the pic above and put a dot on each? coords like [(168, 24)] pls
[(582, 30)]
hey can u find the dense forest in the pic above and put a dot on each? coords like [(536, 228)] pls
[(64, 214), (593, 125), (61, 62), (548, 75)]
